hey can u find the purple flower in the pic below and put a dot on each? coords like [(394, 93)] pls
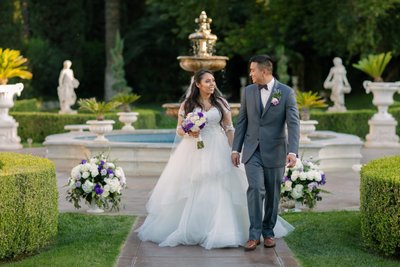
[(83, 161), (200, 114), (323, 179), (78, 184), (102, 162), (285, 178), (110, 171), (98, 189), (311, 186)]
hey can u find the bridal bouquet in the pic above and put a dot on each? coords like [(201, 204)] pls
[(195, 121), (98, 180), (302, 183)]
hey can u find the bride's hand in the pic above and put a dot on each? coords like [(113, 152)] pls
[(194, 134)]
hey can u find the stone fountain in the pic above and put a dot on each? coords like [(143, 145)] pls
[(203, 46)]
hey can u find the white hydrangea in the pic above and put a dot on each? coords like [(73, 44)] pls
[(88, 186), (303, 176), (295, 175), (288, 185), (103, 172), (93, 161), (93, 170), (85, 167), (318, 176), (76, 172), (297, 191), (114, 185), (85, 174)]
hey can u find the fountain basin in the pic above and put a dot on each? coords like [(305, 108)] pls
[(195, 63), (146, 152)]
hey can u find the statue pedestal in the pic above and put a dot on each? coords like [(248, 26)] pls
[(8, 126), (382, 126), (306, 128), (337, 108)]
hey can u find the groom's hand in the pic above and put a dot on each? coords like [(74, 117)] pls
[(291, 160), (235, 156)]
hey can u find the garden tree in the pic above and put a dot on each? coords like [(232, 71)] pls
[(57, 33), (112, 15), (120, 85), (10, 24)]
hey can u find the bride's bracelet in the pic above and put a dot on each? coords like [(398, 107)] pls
[(229, 128)]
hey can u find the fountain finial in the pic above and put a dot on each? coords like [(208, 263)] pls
[(203, 41)]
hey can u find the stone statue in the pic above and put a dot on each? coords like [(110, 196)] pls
[(338, 83), (66, 89)]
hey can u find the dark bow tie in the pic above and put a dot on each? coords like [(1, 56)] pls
[(261, 86)]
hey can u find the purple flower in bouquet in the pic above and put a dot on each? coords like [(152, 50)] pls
[(98, 189)]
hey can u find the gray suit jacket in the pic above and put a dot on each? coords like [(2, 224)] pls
[(267, 130)]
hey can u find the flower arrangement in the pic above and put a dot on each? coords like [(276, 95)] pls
[(302, 183), (276, 96), (194, 122), (96, 179)]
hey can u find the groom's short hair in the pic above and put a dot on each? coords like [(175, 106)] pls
[(264, 61)]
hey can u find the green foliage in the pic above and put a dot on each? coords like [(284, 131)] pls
[(28, 204), (308, 100), (374, 65), (125, 100), (77, 233), (331, 239), (97, 108), (120, 85), (26, 105), (379, 205), (12, 65), (38, 125)]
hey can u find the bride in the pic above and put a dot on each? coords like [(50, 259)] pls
[(200, 198)]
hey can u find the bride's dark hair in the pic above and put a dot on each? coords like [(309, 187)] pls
[(192, 101)]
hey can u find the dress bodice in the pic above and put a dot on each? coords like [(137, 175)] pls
[(213, 116)]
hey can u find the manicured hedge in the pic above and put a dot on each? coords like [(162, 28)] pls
[(350, 122), (28, 204), (380, 205), (38, 125)]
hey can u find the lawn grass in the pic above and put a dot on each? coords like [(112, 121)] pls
[(331, 239), (83, 240)]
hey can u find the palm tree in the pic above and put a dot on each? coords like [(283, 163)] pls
[(112, 12)]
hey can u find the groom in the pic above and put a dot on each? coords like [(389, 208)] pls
[(266, 107)]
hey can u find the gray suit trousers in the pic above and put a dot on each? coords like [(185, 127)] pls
[(264, 185)]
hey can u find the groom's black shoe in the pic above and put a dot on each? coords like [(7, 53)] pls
[(269, 242), (251, 245)]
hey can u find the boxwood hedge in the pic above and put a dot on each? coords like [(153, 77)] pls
[(380, 205), (28, 204)]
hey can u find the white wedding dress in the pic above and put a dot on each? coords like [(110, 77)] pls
[(200, 198)]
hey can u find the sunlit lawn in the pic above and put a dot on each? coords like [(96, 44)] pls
[(83, 240)]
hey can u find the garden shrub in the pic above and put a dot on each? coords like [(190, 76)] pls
[(26, 105), (28, 204), (38, 125), (380, 205)]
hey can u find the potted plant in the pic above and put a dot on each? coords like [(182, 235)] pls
[(305, 102), (127, 116), (11, 65), (98, 126), (382, 121)]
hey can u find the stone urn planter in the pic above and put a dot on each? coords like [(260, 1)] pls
[(8, 126), (100, 128), (382, 125), (128, 118), (306, 128)]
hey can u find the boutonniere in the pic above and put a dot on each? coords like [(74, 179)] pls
[(276, 96)]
